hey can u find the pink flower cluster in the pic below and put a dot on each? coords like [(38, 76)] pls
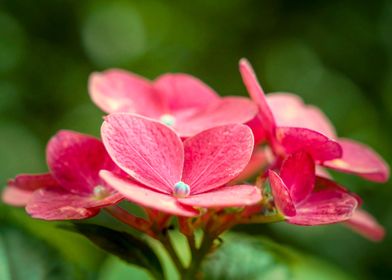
[(175, 148)]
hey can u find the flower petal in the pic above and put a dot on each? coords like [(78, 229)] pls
[(75, 160), (233, 196), (149, 151), (298, 174), (281, 195), (319, 146), (289, 110), (217, 113), (258, 160), (361, 160), (117, 90), (215, 156), (329, 203), (58, 204), (147, 197), (33, 181), (183, 92), (366, 225), (15, 196), (257, 94)]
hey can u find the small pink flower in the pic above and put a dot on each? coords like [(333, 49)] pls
[(290, 126), (305, 199), (366, 225), (175, 176), (73, 188), (181, 101)]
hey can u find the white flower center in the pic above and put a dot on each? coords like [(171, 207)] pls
[(181, 190), (168, 119)]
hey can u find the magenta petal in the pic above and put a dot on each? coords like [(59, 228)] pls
[(183, 92), (329, 203), (281, 195), (319, 146), (33, 181), (147, 197), (217, 113), (57, 204), (366, 225), (75, 160), (120, 91), (215, 156), (15, 196), (289, 110), (233, 196), (298, 174), (361, 160), (149, 151), (257, 94)]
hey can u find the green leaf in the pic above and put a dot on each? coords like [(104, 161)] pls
[(123, 245), (114, 269), (24, 257), (244, 257)]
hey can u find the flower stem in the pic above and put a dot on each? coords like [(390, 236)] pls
[(137, 223)]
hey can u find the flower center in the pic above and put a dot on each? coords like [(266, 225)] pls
[(168, 119), (100, 192), (181, 190)]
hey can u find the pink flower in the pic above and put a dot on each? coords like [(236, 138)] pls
[(178, 100), (175, 176), (73, 188), (305, 199), (290, 126)]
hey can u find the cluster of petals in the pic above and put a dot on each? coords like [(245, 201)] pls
[(291, 127), (176, 146), (173, 176), (73, 188), (178, 100)]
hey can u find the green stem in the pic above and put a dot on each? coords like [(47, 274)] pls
[(166, 242), (198, 257)]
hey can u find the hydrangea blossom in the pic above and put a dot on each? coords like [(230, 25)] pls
[(305, 199), (175, 176), (290, 126), (73, 188), (177, 100)]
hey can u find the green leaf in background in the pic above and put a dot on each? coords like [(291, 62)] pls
[(244, 257), (24, 257), (123, 245), (115, 269)]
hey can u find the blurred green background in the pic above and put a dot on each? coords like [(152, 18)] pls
[(335, 54)]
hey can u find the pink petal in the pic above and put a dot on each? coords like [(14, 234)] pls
[(15, 196), (320, 147), (75, 160), (366, 225), (33, 181), (147, 197), (183, 92), (258, 160), (361, 160), (258, 131), (289, 110), (233, 196), (149, 151), (329, 203), (57, 204), (215, 156), (257, 94), (227, 110), (281, 195), (121, 91), (298, 174)]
